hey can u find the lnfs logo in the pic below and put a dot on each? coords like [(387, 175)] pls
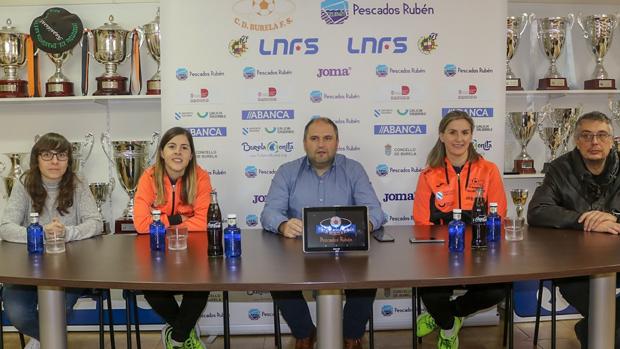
[(282, 46), (250, 171), (249, 73), (182, 74), (251, 220), (449, 70), (334, 11), (377, 45), (382, 70), (382, 170), (254, 314), (316, 96), (387, 310)]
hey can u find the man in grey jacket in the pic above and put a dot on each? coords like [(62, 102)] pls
[(581, 191)]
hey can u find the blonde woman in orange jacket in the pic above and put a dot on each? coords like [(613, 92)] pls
[(178, 187), (455, 170)]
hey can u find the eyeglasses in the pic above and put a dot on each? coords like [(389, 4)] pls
[(601, 136), (49, 155)]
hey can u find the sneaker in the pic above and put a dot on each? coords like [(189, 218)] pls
[(193, 342), (33, 344), (425, 324), (451, 342), (166, 338)]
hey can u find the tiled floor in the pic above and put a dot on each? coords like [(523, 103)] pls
[(470, 338)]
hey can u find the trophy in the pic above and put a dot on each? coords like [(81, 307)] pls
[(614, 107), (515, 26), (81, 151), (101, 192), (130, 159), (523, 125), (57, 32), (598, 30), (12, 56), (16, 159), (552, 33), (519, 198), (150, 32), (110, 50), (556, 127)]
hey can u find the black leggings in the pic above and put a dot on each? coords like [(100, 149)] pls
[(443, 310), (182, 318)]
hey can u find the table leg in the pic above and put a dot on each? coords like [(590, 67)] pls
[(601, 327), (52, 317), (329, 319)]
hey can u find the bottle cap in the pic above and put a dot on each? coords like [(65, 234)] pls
[(457, 210), (156, 212), (231, 216), (34, 214), (493, 204)]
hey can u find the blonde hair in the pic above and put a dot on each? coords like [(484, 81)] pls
[(436, 157)]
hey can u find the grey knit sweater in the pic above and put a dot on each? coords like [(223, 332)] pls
[(83, 220)]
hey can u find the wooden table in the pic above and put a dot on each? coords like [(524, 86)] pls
[(270, 262)]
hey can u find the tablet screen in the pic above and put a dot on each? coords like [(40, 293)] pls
[(335, 228)]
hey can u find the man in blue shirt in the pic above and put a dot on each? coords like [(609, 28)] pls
[(321, 178)]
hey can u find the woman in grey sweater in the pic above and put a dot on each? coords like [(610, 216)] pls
[(64, 204)]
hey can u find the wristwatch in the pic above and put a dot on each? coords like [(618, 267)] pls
[(616, 213)]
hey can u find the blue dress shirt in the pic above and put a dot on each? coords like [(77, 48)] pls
[(296, 185)]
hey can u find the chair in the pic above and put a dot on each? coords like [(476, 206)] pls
[(416, 310), (553, 313), (278, 334), (99, 294)]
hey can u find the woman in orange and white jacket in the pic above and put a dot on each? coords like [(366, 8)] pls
[(455, 170), (181, 189)]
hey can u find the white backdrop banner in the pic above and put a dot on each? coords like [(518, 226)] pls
[(245, 76)]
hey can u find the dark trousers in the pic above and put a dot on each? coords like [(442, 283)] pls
[(576, 291), (182, 318), (443, 310), (356, 312)]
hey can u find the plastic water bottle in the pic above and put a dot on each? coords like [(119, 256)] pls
[(494, 224), (456, 232), (157, 232), (479, 221), (34, 235), (232, 238)]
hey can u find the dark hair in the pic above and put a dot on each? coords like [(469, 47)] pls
[(33, 182), (436, 157), (188, 193), (593, 116), (321, 119)]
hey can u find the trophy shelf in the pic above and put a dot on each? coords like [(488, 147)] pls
[(77, 99), (524, 176), (561, 93)]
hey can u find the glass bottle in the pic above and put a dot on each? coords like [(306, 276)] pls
[(456, 232), (479, 221), (214, 228), (34, 235), (157, 232)]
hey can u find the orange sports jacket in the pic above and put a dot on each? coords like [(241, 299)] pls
[(145, 200), (440, 190)]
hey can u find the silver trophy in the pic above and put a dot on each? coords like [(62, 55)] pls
[(58, 84), (101, 192), (515, 26), (130, 159), (523, 125), (552, 34), (598, 30), (17, 160), (614, 107), (12, 57), (151, 34), (556, 127)]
